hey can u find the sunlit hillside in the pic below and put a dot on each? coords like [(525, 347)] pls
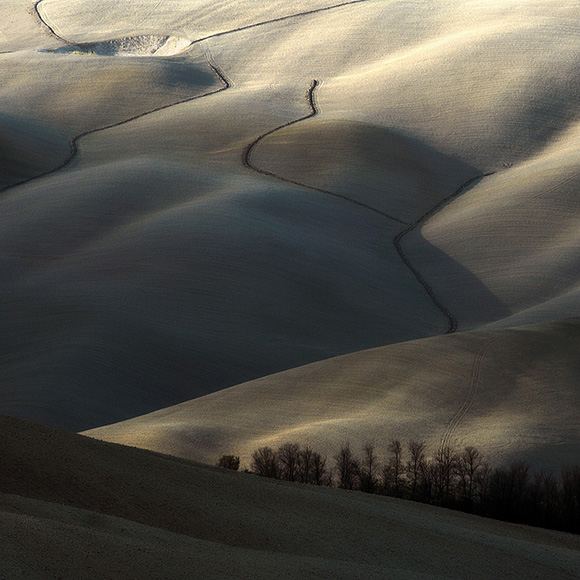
[(196, 195)]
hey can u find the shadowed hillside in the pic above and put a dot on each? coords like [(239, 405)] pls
[(181, 215), (78, 507), (513, 393)]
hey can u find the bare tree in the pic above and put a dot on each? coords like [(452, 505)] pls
[(229, 462), (571, 498), (415, 466), (305, 464), (457, 480), (519, 480), (483, 488), (445, 462), (265, 462), (429, 478), (320, 475), (394, 470), (552, 496), (469, 463), (368, 469), (544, 499), (289, 459), (347, 467), (508, 491)]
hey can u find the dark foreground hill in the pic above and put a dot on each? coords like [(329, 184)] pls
[(73, 507)]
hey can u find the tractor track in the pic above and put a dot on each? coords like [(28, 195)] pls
[(474, 382)]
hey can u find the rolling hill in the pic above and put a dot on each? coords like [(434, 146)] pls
[(229, 224), (80, 508)]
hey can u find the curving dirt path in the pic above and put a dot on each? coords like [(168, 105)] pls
[(74, 141), (452, 321), (44, 23), (247, 159), (474, 381)]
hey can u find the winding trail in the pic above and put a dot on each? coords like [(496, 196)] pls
[(474, 382), (247, 159), (74, 141), (51, 30), (248, 162), (451, 320)]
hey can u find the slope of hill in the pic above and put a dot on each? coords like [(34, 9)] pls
[(212, 220), (512, 393), (74, 507)]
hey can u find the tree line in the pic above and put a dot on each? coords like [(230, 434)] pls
[(451, 478)]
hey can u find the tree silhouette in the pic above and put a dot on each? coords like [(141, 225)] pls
[(415, 466), (445, 461), (394, 470), (289, 461), (347, 467), (265, 462), (454, 479), (320, 475), (229, 462), (469, 463), (368, 469)]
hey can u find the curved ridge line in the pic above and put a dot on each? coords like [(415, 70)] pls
[(47, 25), (73, 142), (452, 321), (247, 159), (280, 19), (225, 32), (474, 381)]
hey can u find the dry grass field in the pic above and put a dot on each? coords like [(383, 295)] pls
[(238, 223)]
